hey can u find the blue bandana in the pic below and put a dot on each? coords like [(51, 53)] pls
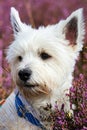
[(24, 113)]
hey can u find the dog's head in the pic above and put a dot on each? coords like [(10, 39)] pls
[(43, 59)]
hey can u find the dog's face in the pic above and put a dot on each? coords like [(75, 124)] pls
[(43, 59)]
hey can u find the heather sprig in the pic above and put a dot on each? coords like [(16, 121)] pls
[(78, 97)]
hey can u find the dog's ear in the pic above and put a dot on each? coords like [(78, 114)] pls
[(17, 25), (73, 29)]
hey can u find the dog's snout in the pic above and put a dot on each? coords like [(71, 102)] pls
[(25, 74)]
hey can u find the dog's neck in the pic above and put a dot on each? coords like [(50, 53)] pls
[(42, 114)]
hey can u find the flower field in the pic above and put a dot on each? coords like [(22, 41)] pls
[(44, 12)]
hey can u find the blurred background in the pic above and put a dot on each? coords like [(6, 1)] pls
[(36, 13)]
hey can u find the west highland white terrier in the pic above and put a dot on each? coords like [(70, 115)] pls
[(42, 62)]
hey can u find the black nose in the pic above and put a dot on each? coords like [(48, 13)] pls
[(25, 74)]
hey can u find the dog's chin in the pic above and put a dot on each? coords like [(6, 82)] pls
[(32, 89), (26, 85), (30, 85)]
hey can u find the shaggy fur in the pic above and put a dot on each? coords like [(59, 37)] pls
[(50, 53)]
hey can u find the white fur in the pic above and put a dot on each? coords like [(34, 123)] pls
[(55, 72)]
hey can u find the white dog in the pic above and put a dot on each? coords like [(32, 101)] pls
[(42, 61)]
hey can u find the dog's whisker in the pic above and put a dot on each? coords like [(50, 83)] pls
[(42, 90), (35, 90)]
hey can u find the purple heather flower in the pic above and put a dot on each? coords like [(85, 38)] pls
[(78, 97)]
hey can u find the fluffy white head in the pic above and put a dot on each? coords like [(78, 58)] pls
[(48, 54)]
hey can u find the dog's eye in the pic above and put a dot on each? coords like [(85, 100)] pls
[(20, 58), (45, 56)]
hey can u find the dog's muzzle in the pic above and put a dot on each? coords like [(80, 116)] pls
[(24, 78)]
